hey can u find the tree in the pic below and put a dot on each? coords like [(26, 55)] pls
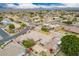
[(44, 29), (61, 16), (68, 22), (11, 19), (1, 18), (41, 20), (70, 45), (74, 20), (11, 26), (28, 43), (23, 25)]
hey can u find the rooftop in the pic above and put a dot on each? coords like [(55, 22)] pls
[(12, 49)]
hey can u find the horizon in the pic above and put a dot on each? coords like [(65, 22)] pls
[(37, 5)]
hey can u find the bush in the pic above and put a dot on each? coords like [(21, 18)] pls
[(23, 25), (11, 26), (70, 45), (11, 19), (68, 22), (44, 29), (43, 53), (28, 43), (1, 18)]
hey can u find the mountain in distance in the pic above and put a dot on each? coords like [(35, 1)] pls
[(40, 8)]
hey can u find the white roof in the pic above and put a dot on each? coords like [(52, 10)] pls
[(6, 21), (56, 25)]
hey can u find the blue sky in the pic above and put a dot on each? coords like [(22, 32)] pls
[(37, 5), (48, 4)]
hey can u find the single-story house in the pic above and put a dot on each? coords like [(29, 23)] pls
[(6, 21), (72, 28)]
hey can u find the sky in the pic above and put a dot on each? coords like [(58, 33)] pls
[(37, 5)]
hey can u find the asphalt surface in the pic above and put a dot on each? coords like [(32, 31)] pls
[(16, 35)]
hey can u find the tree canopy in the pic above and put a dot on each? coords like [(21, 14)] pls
[(68, 22), (70, 45), (44, 29), (23, 25), (28, 43), (1, 18), (11, 26)]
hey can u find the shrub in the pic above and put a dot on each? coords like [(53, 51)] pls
[(28, 43)]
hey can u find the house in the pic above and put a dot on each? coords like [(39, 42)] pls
[(54, 26), (54, 43), (72, 28), (6, 21), (40, 50)]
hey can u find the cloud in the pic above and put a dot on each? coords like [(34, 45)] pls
[(51, 5), (48, 5), (23, 6), (37, 5), (71, 5)]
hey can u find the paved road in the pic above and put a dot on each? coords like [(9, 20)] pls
[(16, 35), (3, 34)]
